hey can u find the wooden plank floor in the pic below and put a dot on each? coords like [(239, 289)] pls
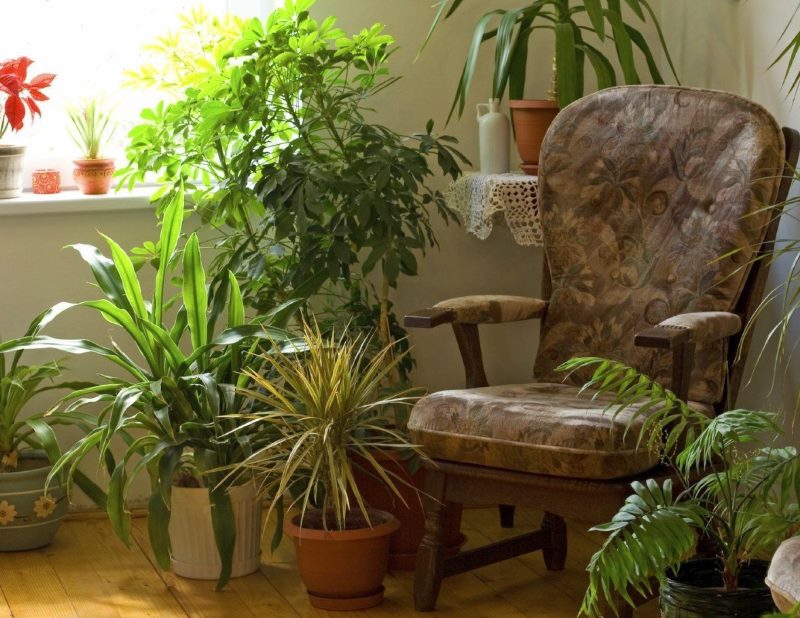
[(88, 572)]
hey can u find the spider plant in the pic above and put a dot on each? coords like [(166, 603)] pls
[(512, 30), (324, 405), (734, 486), (91, 127), (18, 385), (170, 407)]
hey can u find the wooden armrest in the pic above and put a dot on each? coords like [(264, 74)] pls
[(662, 337), (680, 334), (483, 309), (429, 318), (696, 327)]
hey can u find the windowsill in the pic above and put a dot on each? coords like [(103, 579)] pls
[(73, 201)]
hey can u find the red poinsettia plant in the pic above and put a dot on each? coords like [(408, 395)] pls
[(20, 93)]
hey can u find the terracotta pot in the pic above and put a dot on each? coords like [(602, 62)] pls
[(11, 170), (405, 542), (531, 120), (343, 570), (93, 176)]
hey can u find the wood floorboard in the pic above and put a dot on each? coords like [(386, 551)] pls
[(88, 572)]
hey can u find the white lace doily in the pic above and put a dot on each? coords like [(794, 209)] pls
[(481, 198)]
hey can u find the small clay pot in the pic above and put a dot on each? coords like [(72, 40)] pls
[(93, 176), (343, 570), (531, 119)]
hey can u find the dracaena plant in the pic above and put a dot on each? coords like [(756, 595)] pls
[(19, 93), (170, 404), (581, 28), (275, 143), (321, 403), (735, 486)]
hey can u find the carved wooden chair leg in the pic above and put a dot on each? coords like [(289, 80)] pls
[(506, 515), (555, 554), (430, 556)]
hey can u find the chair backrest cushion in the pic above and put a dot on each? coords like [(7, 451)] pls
[(644, 193)]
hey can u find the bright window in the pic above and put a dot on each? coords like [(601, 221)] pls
[(89, 44)]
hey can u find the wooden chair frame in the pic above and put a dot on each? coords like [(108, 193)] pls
[(561, 498)]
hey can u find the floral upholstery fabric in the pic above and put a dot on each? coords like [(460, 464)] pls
[(642, 190), (488, 309), (706, 325), (537, 428)]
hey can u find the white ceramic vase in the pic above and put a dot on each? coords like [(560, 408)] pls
[(11, 158), (194, 549), (494, 137)]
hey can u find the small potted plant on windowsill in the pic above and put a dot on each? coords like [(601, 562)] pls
[(91, 129), (737, 490), (16, 95), (320, 407)]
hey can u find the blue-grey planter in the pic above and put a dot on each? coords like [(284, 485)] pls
[(29, 518)]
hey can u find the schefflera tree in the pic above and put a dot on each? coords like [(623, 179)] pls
[(273, 138)]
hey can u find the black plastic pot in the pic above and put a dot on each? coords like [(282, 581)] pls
[(697, 592)]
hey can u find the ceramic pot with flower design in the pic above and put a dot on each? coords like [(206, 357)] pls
[(29, 515)]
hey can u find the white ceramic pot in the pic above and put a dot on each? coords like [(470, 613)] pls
[(194, 550), (11, 170)]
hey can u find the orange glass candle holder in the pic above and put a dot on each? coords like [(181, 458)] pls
[(46, 182)]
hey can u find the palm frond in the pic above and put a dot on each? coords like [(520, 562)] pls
[(651, 533), (668, 421)]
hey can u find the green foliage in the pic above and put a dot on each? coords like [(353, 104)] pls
[(273, 145), (170, 410), (18, 385), (323, 406), (735, 487), (179, 59), (91, 127), (512, 29), (788, 54)]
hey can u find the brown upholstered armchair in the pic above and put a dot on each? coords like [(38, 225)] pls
[(645, 191)]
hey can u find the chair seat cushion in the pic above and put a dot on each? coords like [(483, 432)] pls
[(540, 428)]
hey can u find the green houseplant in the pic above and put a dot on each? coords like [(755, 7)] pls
[(30, 513), (735, 488), (581, 29), (91, 128), (322, 408), (273, 142), (170, 408)]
